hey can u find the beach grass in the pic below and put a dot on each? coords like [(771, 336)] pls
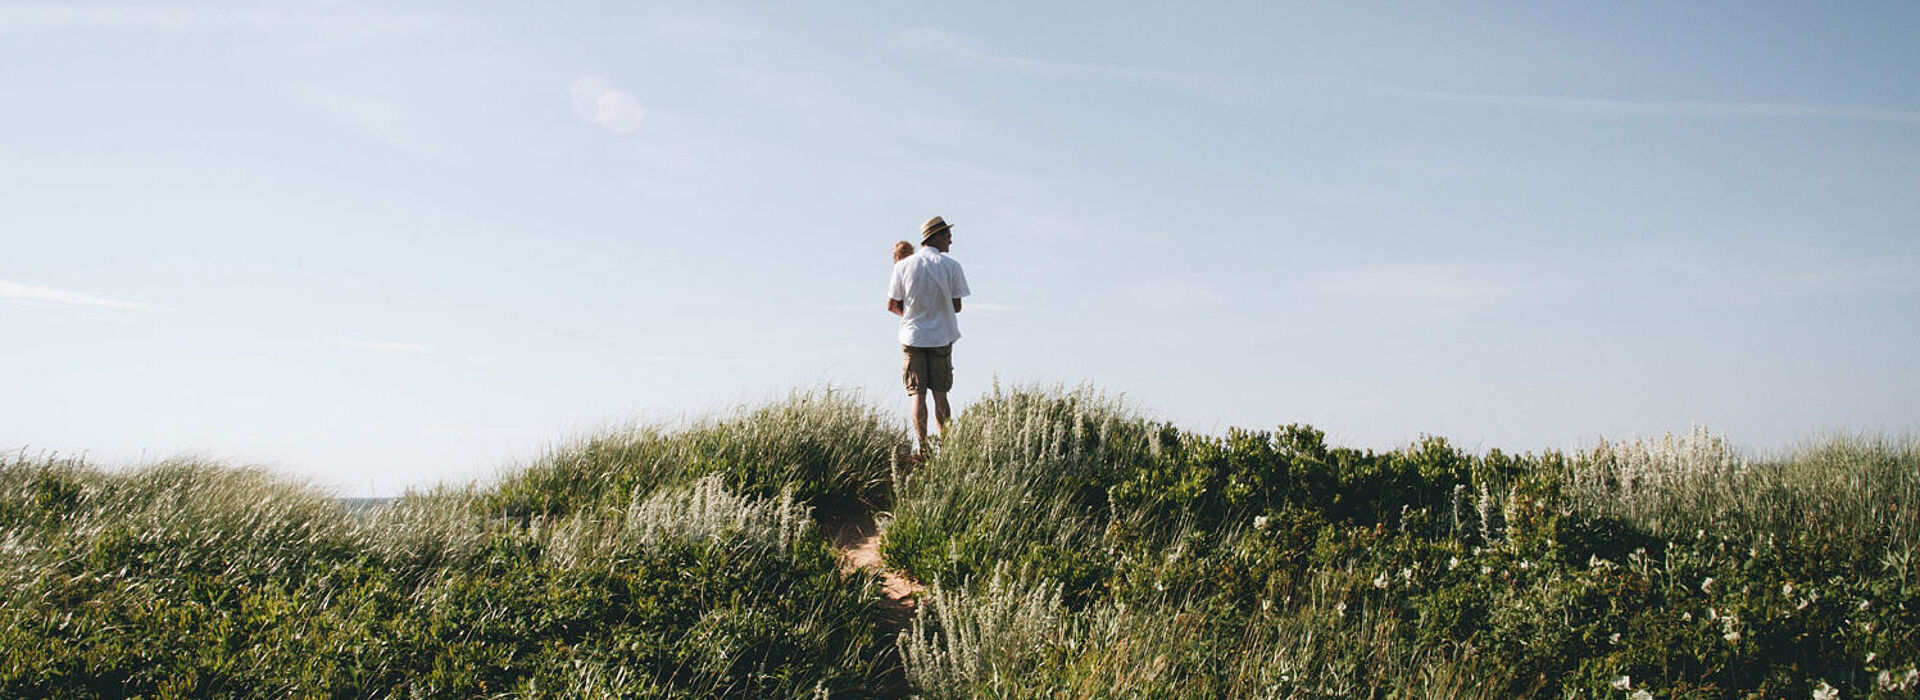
[(1071, 548)]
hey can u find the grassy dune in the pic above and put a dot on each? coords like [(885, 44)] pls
[(1070, 547)]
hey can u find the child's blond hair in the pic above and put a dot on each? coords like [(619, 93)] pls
[(901, 250)]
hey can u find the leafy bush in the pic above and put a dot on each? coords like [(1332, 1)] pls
[(1271, 565), (192, 580), (1072, 547)]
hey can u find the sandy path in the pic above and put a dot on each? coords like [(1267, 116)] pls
[(857, 539)]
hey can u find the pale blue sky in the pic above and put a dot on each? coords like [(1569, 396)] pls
[(387, 247)]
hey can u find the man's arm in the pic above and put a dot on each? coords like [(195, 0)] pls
[(957, 284), (897, 308)]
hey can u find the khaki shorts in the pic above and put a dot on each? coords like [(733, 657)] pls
[(927, 368)]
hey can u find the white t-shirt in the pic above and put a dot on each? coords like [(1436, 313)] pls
[(926, 283)]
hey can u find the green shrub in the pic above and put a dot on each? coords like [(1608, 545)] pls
[(1073, 549), (827, 447), (1106, 552), (192, 580)]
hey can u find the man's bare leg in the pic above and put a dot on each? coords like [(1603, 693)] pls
[(940, 412), (920, 417)]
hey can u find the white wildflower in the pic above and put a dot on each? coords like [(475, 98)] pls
[(1381, 581), (1686, 617), (1613, 638), (1340, 608), (1621, 682), (1260, 522), (1706, 586), (1864, 605), (1786, 590), (1871, 656), (1640, 694), (1825, 692), (1406, 575), (1453, 563)]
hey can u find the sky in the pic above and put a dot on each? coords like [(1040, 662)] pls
[(379, 246)]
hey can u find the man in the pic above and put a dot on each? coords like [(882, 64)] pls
[(925, 293)]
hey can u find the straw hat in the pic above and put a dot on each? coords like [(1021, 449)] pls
[(933, 226)]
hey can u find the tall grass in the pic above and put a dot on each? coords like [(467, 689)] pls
[(686, 565), (1078, 550), (1022, 472), (1856, 495), (830, 448), (1014, 638), (1072, 549)]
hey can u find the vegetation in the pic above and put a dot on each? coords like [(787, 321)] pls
[(1076, 550), (1071, 548), (638, 564)]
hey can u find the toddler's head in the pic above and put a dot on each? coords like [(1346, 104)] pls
[(901, 250)]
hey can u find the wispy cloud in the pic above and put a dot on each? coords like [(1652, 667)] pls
[(1767, 273), (23, 17), (1685, 109), (1176, 294), (1418, 283), (596, 100), (700, 30), (33, 295), (378, 345), (962, 50), (669, 357), (384, 121)]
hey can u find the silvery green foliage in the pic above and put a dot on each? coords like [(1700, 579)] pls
[(967, 644), (1637, 468), (257, 582), (704, 512), (1700, 483), (179, 515), (430, 530), (707, 511), (1013, 637)]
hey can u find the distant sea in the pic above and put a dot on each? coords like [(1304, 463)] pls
[(365, 503)]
